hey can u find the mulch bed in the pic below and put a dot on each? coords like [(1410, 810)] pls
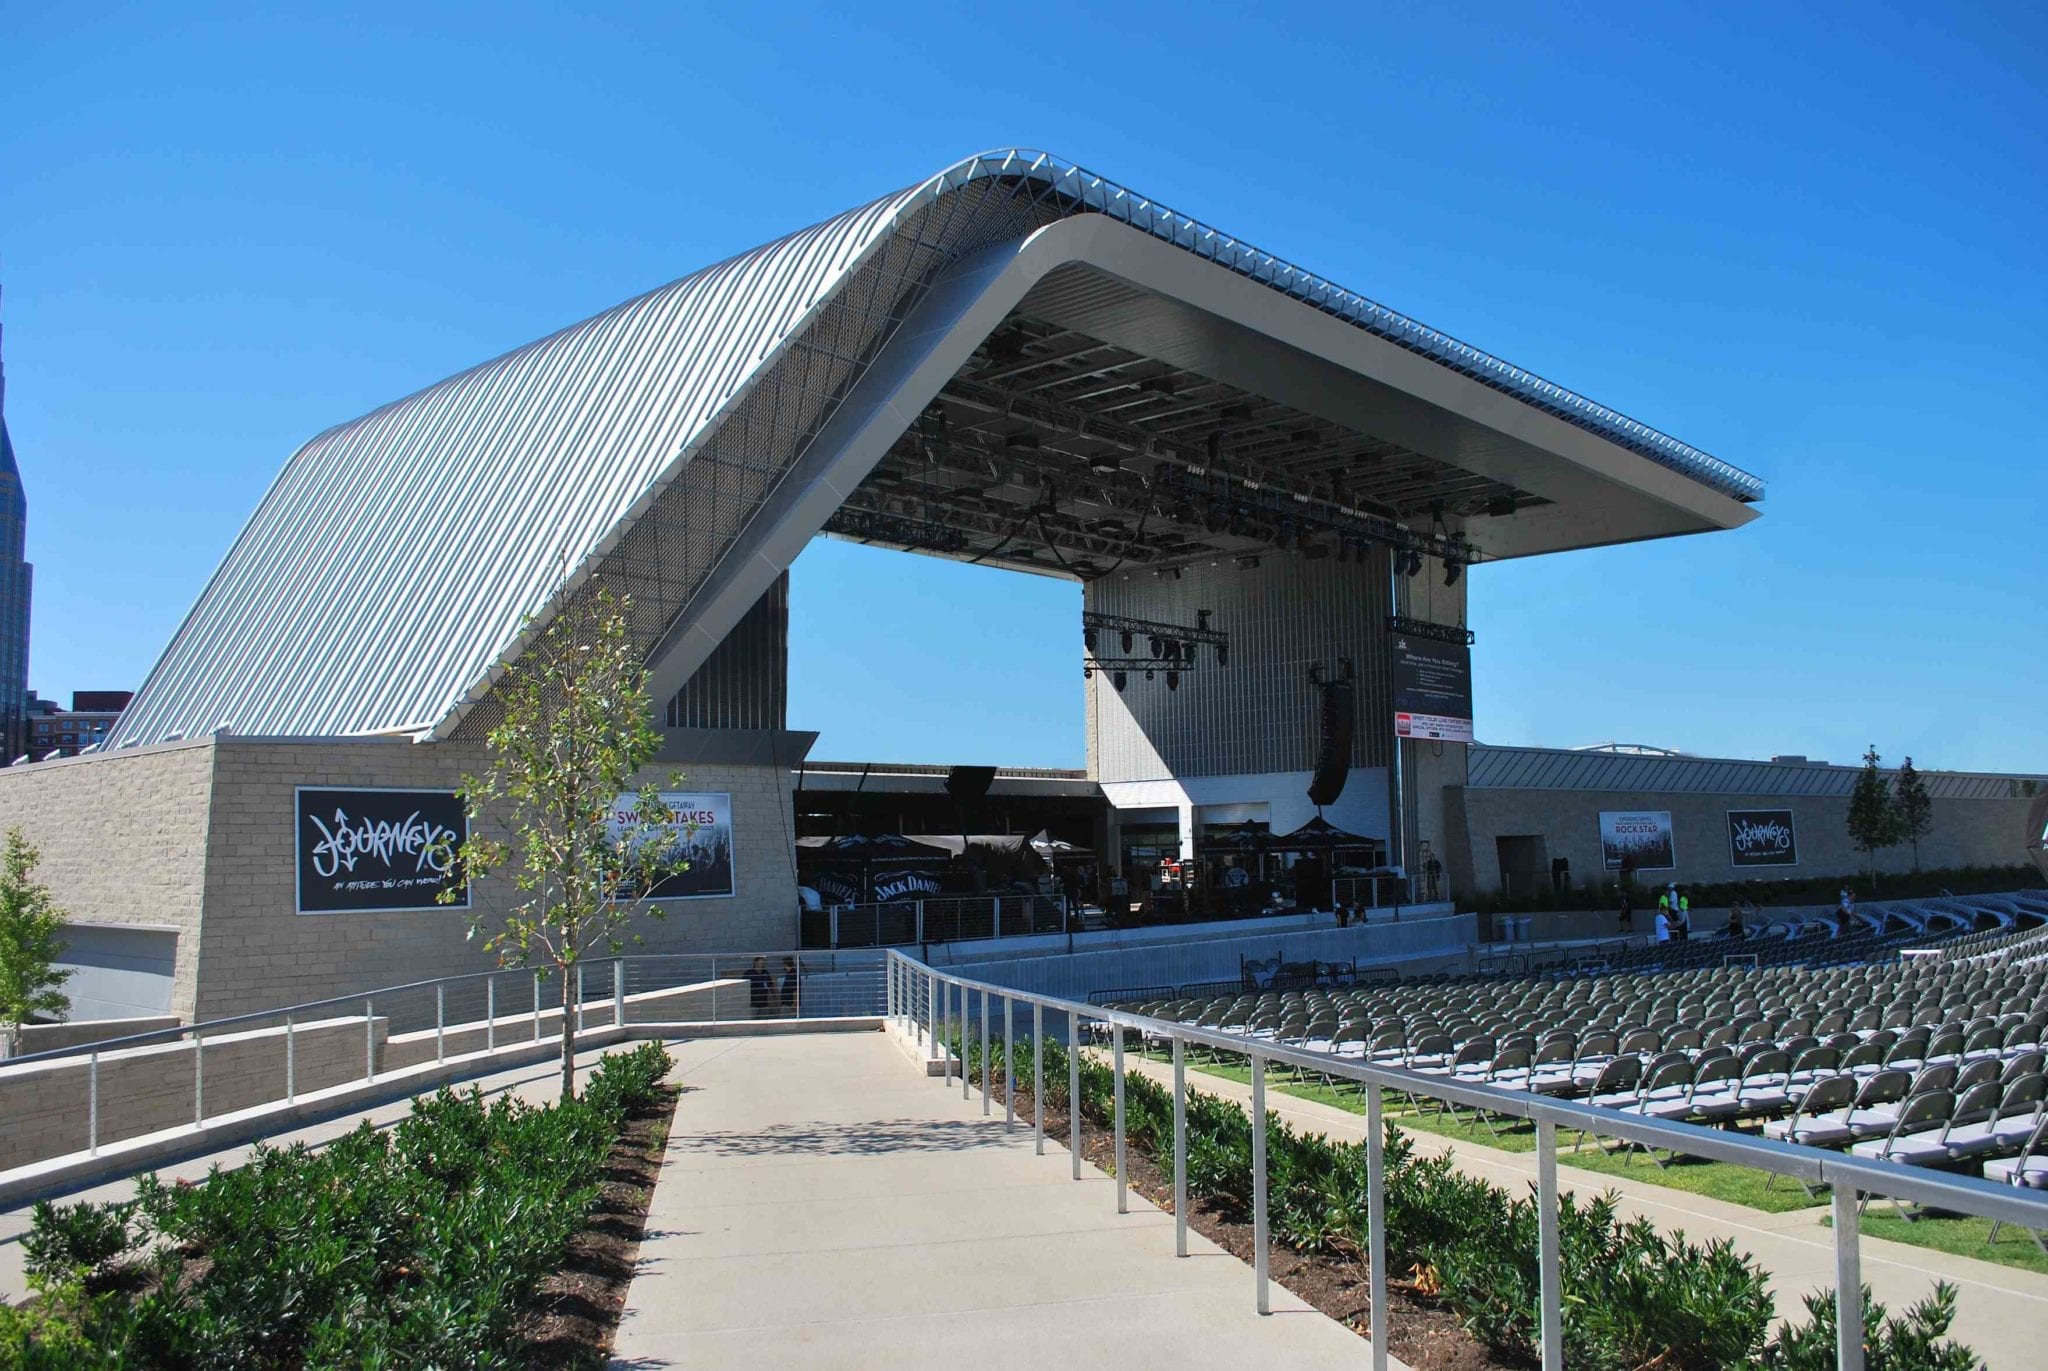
[(1422, 1332), (576, 1311)]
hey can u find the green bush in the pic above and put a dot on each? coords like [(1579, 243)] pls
[(1914, 1341), (68, 1238), (1634, 1297), (416, 1246)]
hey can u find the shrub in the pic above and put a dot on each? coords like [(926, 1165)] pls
[(416, 1246), (79, 1237), (1634, 1297), (1916, 1340)]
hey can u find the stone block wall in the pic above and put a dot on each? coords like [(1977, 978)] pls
[(45, 1108), (123, 840)]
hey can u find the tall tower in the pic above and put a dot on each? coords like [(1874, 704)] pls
[(16, 581)]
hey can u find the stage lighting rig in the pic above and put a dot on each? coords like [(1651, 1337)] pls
[(1173, 647), (1243, 506)]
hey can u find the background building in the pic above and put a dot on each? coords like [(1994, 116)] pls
[(53, 731), (16, 584)]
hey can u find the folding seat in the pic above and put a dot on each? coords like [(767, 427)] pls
[(1667, 1088), (1820, 1117), (2030, 1062), (1863, 1059), (1934, 1076), (2029, 1168), (1681, 1038), (1977, 1072), (1812, 1064), (1766, 1086), (1552, 1071), (1915, 1138), (2004, 1127), (1985, 1042), (1716, 1095), (1429, 1050), (1641, 1042)]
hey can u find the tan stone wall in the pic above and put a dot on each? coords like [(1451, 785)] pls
[(123, 839), (258, 953), (45, 1108), (163, 835), (1966, 833)]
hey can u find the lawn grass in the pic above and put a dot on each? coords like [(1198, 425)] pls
[(1960, 1235), (1744, 1185)]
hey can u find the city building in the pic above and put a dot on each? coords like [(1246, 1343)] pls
[(57, 732), (16, 584)]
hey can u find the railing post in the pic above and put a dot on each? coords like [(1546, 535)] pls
[(198, 1078), (1259, 1182), (1074, 1091), (536, 1006), (491, 1011), (1009, 1065), (1038, 1079), (1123, 1182), (1376, 1223), (1180, 1148), (987, 1066), (931, 1011), (369, 1039), (1848, 1281), (440, 1023), (1550, 1276), (619, 993), (966, 1040), (942, 1020), (291, 1060), (92, 1104), (832, 936), (920, 922)]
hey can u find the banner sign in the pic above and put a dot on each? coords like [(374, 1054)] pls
[(364, 850), (698, 831), (1432, 688), (1762, 837), (1641, 838)]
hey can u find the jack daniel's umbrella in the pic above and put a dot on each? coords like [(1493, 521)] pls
[(858, 866)]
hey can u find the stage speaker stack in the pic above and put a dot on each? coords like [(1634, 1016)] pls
[(967, 784), (1333, 757)]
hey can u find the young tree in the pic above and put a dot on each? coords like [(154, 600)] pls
[(1874, 821), (555, 812), (1916, 807), (29, 946)]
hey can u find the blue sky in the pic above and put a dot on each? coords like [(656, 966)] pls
[(1810, 244)]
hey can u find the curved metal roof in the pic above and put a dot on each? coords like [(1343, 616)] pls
[(385, 578)]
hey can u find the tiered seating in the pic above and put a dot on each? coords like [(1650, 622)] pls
[(1922, 1061)]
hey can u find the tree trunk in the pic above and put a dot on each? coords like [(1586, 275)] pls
[(568, 1034)]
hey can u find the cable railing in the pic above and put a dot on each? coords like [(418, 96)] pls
[(941, 919), (89, 1095), (934, 1008)]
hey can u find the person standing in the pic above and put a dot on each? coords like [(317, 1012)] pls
[(1663, 934), (790, 1001), (1628, 914), (761, 989)]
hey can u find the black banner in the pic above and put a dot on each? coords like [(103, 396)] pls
[(1432, 688), (370, 850), (1762, 837)]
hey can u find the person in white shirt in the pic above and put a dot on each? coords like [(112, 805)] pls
[(1663, 934)]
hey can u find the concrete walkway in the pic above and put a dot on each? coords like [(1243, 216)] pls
[(823, 1204), (2000, 1309)]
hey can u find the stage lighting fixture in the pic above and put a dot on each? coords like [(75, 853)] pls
[(1247, 563), (1087, 672), (1411, 564), (1222, 654), (1173, 680), (1119, 679), (1157, 649), (1088, 636), (1127, 640), (1105, 464), (1451, 570), (1215, 447), (1217, 519), (1500, 506), (1149, 674)]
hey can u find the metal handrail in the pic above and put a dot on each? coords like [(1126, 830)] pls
[(1849, 1177), (180, 1031)]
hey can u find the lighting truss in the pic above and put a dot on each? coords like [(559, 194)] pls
[(1237, 500), (877, 526), (1422, 628)]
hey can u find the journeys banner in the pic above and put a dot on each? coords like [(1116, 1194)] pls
[(363, 850)]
